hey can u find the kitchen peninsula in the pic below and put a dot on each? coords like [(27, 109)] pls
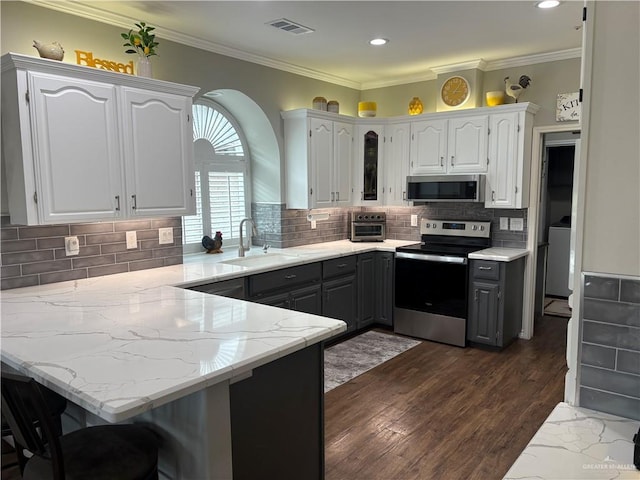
[(133, 347)]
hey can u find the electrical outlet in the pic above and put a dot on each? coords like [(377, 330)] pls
[(165, 235), (132, 240), (313, 224), (517, 224), (71, 246), (504, 223), (414, 220)]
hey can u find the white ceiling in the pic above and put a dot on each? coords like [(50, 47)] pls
[(426, 37)]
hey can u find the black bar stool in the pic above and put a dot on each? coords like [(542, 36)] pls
[(106, 452)]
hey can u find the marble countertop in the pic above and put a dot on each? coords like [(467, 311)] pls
[(499, 254), (578, 444), (122, 344)]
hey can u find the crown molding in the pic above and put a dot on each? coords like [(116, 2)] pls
[(98, 15), (457, 67), (533, 59)]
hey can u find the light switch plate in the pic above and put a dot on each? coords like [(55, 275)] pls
[(71, 246), (132, 240), (517, 224), (504, 223), (414, 220), (165, 235)]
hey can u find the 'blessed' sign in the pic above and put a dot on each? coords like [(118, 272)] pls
[(87, 58)]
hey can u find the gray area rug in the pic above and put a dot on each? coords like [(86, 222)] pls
[(353, 357)]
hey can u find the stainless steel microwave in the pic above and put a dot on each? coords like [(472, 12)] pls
[(446, 188)]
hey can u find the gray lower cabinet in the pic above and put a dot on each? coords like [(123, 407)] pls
[(366, 290), (296, 288), (495, 301), (234, 288), (384, 287), (339, 290)]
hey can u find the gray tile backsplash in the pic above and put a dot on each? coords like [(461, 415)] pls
[(283, 228), (36, 255), (610, 345)]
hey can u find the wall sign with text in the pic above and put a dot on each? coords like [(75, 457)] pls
[(568, 107)]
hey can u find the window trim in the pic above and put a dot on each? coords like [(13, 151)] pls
[(240, 164)]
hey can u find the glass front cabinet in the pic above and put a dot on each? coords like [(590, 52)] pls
[(368, 167)]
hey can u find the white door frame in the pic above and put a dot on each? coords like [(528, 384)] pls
[(537, 152)]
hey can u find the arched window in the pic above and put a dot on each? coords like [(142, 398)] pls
[(222, 177)]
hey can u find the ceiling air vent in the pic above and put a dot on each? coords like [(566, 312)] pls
[(289, 26)]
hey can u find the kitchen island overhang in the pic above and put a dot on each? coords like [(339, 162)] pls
[(126, 351)]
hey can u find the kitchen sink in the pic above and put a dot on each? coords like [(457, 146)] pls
[(264, 260)]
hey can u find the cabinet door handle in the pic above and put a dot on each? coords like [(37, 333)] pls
[(337, 196), (342, 265), (290, 277), (485, 268), (361, 195), (333, 196), (493, 195), (135, 203), (476, 295), (452, 157), (442, 161), (117, 203)]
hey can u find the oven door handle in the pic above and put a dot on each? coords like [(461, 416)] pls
[(425, 257)]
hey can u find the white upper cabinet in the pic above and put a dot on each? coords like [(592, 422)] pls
[(467, 144), (343, 162), (429, 147), (491, 141), (396, 164), (449, 144), (82, 144), (508, 177), (369, 166), (76, 147), (157, 137), (319, 150)]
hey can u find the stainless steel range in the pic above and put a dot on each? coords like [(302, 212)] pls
[(431, 280)]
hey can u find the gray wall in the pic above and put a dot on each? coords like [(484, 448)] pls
[(609, 343)]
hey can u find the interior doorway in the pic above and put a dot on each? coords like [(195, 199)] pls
[(554, 224)]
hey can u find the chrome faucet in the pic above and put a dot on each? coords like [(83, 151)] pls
[(242, 248)]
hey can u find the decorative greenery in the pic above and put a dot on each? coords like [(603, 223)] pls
[(142, 42)]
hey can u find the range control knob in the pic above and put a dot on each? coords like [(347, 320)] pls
[(482, 228), (475, 227)]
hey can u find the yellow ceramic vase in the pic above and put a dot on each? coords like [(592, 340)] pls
[(495, 98), (415, 106), (367, 109)]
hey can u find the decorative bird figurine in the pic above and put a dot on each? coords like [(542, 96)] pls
[(213, 245), (515, 89)]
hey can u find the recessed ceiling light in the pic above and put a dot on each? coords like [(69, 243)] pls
[(378, 41), (548, 4)]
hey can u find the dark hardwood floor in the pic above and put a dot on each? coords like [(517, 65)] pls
[(439, 412)]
